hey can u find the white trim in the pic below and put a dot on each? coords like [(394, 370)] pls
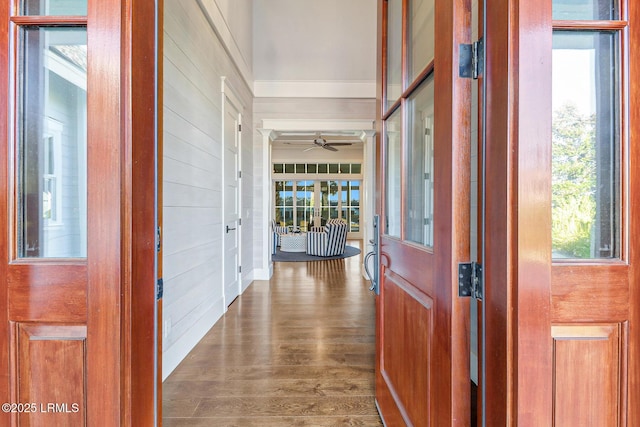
[(175, 354), (266, 265), (229, 96), (219, 25), (314, 88), (316, 125), (247, 280), (263, 274), (66, 70)]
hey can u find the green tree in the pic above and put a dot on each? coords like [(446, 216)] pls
[(573, 182)]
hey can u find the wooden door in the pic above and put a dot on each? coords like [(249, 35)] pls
[(563, 191), (77, 204), (422, 369)]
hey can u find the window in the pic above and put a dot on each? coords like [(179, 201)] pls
[(317, 168), (51, 119), (419, 204), (408, 116), (586, 126), (52, 168), (303, 204)]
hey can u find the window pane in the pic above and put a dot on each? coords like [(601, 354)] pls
[(333, 168), (394, 51), (322, 168), (344, 193), (419, 203), (586, 9), (354, 205), (289, 168), (586, 145), (55, 7), (52, 138), (345, 168), (393, 128), (421, 35), (356, 168), (312, 168), (278, 168), (287, 194), (300, 168)]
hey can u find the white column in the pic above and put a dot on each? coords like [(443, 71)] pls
[(264, 268)]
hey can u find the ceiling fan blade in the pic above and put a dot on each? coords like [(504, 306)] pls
[(308, 149), (334, 144), (328, 147)]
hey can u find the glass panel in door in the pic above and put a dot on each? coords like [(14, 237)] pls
[(419, 210), (586, 10), (52, 143), (304, 204), (394, 52), (354, 206), (421, 22), (586, 145), (393, 200), (54, 7), (328, 200), (284, 203)]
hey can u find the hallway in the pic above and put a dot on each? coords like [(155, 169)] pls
[(298, 350)]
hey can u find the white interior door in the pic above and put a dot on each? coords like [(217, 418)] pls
[(232, 282)]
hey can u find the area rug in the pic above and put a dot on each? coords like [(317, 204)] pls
[(280, 256)]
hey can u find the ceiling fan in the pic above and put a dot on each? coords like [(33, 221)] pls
[(322, 143)]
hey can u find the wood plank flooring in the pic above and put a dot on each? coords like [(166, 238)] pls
[(298, 350)]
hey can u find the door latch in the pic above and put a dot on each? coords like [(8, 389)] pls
[(470, 280)]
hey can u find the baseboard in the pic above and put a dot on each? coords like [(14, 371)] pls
[(263, 273), (247, 281), (175, 354)]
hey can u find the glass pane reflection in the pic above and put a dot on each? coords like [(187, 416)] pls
[(52, 138), (586, 145), (422, 35), (55, 7), (394, 52), (393, 130), (585, 9), (419, 209)]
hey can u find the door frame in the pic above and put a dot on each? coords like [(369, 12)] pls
[(228, 95), (519, 290), (517, 256), (138, 133)]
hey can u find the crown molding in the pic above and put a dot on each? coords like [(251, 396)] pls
[(316, 125)]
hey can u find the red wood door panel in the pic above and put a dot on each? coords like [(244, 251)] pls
[(422, 373)]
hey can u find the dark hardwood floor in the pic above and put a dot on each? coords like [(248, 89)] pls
[(298, 350)]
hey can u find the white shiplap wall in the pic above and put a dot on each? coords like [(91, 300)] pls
[(194, 62)]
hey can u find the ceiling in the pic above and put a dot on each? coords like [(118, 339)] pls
[(319, 40)]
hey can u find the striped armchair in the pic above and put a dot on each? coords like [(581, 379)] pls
[(277, 230), (329, 242)]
